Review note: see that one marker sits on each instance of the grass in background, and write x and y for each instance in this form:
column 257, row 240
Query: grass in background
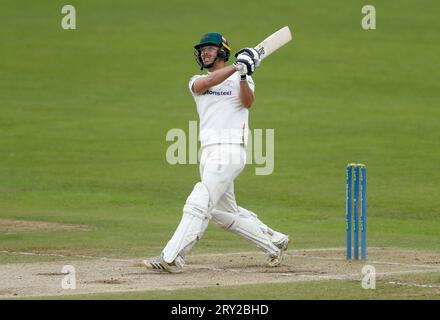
column 84, row 115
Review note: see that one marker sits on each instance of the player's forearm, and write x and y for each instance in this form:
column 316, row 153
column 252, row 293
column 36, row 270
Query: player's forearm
column 246, row 94
column 213, row 79
column 219, row 76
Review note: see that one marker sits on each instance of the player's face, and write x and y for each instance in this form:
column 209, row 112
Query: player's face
column 209, row 53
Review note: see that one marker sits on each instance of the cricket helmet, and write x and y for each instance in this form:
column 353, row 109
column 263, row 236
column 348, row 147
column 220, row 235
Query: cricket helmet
column 216, row 39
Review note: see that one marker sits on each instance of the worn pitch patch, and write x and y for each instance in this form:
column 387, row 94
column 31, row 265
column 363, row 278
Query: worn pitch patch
column 13, row 225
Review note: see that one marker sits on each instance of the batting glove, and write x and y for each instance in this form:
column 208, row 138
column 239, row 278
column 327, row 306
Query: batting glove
column 251, row 52
column 246, row 65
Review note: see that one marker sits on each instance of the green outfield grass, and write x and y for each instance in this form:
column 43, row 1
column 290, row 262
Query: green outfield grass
column 84, row 115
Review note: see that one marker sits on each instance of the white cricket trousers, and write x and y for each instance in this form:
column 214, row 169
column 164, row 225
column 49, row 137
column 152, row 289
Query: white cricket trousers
column 214, row 198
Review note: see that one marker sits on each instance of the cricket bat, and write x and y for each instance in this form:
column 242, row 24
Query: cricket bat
column 273, row 42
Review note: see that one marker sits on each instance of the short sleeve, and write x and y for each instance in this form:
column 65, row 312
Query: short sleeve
column 192, row 80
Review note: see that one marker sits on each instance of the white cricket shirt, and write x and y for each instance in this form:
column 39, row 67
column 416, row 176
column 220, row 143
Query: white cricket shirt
column 223, row 119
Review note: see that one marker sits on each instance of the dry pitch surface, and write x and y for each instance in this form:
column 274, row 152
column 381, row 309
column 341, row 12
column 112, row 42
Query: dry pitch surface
column 101, row 274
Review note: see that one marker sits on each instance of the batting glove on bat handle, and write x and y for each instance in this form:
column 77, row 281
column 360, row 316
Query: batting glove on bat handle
column 244, row 68
column 248, row 62
column 251, row 52
column 241, row 68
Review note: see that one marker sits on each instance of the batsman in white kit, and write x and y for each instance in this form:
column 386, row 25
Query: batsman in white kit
column 223, row 97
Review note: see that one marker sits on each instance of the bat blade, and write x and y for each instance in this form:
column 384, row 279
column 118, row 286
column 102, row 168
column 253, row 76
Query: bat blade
column 273, row 42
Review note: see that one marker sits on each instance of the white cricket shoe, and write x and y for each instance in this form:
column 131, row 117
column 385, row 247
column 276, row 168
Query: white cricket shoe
column 159, row 264
column 282, row 244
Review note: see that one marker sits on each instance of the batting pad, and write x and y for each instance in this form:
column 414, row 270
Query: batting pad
column 246, row 227
column 193, row 224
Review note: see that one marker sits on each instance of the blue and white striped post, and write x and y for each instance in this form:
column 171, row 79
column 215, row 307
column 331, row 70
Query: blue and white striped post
column 356, row 212
column 358, row 178
column 364, row 212
column 348, row 210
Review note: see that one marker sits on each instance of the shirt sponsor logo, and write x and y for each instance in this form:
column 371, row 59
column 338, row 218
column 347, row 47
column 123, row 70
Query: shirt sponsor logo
column 219, row 93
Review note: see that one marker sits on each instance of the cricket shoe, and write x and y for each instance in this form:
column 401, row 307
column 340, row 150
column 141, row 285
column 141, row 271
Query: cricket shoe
column 282, row 242
column 159, row 264
column 274, row 260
